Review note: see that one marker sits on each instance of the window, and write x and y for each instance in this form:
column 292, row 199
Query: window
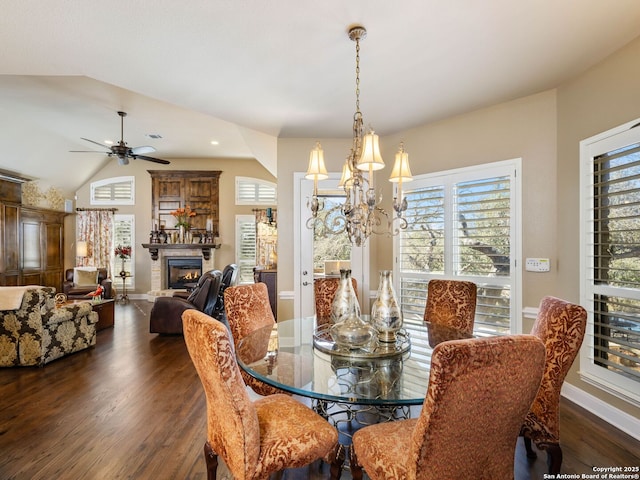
column 253, row 191
column 462, row 225
column 123, row 228
column 610, row 266
column 245, row 247
column 113, row 191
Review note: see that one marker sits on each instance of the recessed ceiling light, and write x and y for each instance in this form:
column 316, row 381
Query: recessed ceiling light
column 215, row 142
column 109, row 142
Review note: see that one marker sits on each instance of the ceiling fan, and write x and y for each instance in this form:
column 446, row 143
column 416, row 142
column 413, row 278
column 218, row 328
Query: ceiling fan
column 122, row 151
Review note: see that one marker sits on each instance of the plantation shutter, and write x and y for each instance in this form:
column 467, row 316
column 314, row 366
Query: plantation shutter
column 615, row 258
column 246, row 248
column 460, row 227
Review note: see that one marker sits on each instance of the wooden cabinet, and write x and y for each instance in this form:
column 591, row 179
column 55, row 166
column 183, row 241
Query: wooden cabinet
column 270, row 278
column 173, row 189
column 32, row 241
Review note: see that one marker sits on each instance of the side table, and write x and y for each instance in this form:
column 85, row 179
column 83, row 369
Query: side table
column 106, row 314
column 105, row 310
column 123, row 298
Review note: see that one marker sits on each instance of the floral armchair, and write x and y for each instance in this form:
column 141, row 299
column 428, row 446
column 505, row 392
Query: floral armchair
column 40, row 332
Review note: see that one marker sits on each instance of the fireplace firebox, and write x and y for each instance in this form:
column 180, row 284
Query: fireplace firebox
column 182, row 271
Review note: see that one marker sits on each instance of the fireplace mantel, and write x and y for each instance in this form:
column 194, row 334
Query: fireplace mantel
column 205, row 247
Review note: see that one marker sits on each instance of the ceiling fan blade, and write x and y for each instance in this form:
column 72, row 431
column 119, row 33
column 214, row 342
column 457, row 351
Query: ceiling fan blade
column 144, row 149
column 151, row 159
column 89, row 151
column 97, row 143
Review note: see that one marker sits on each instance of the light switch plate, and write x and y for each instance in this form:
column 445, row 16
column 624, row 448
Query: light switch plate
column 537, row 265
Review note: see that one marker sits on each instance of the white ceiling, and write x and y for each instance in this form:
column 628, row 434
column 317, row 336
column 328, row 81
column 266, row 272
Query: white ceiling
column 244, row 72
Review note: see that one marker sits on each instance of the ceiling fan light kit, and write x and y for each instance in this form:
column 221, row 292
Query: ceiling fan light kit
column 123, row 152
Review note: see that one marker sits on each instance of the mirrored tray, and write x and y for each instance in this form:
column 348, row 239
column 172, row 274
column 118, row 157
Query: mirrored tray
column 322, row 341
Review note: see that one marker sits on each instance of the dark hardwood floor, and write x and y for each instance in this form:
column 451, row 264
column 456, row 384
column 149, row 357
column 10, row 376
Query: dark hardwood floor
column 133, row 408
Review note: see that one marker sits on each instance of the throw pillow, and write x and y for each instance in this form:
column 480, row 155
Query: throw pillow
column 85, row 278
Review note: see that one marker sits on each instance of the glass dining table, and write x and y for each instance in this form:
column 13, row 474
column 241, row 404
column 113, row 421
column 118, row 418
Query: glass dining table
column 365, row 386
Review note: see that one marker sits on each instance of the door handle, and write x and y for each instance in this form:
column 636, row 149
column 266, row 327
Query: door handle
column 305, row 283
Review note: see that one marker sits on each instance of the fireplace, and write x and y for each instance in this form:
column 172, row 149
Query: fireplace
column 182, row 271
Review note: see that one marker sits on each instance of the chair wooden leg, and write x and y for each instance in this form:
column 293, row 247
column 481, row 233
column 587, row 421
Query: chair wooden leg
column 356, row 469
column 211, row 460
column 554, row 458
column 336, row 465
column 530, row 451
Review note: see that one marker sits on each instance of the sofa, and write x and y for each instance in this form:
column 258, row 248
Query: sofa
column 76, row 289
column 39, row 331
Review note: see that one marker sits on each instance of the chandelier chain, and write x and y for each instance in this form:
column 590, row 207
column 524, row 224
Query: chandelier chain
column 357, row 75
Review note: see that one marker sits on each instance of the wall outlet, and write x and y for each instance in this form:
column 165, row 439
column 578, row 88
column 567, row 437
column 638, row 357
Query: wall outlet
column 537, row 265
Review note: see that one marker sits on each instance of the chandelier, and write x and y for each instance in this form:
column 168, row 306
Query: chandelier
column 360, row 215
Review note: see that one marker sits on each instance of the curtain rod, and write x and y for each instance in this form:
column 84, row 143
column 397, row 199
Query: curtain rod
column 96, row 209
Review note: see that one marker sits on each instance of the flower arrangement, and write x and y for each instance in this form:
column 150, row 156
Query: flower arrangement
column 123, row 252
column 183, row 215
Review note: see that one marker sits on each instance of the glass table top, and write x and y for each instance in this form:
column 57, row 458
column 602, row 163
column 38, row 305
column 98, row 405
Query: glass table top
column 284, row 356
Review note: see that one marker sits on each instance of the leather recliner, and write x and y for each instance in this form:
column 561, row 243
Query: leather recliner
column 79, row 292
column 166, row 313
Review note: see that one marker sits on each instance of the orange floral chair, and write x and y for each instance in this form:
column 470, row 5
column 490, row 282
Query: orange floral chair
column 248, row 309
column 479, row 391
column 561, row 326
column 255, row 439
column 452, row 303
column 324, row 289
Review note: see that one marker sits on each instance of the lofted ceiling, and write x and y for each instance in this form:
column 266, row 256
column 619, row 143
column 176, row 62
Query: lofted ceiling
column 245, row 72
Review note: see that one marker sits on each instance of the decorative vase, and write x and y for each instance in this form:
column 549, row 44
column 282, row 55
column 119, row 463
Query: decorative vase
column 345, row 302
column 386, row 316
column 352, row 332
column 181, row 233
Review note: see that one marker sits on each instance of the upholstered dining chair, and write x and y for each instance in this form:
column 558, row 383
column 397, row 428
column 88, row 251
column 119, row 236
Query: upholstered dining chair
column 255, row 439
column 324, row 289
column 479, row 391
column 561, row 326
column 452, row 303
column 248, row 309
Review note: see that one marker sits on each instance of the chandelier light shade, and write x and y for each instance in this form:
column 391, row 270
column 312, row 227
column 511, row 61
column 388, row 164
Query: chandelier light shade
column 360, row 215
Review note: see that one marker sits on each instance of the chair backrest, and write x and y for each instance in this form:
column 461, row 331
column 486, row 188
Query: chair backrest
column 561, row 326
column 248, row 309
column 208, row 285
column 452, row 303
column 480, row 390
column 214, row 290
column 324, row 289
column 232, row 421
column 229, row 279
column 102, row 274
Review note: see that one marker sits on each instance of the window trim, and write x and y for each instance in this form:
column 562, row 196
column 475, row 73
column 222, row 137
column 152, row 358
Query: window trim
column 500, row 168
column 602, row 378
column 109, row 181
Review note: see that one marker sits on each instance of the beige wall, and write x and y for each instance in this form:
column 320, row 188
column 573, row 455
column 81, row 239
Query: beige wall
column 606, row 96
column 230, row 168
column 524, row 128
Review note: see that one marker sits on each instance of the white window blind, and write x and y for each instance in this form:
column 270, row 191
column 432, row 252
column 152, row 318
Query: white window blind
column 610, row 355
column 246, row 249
column 461, row 227
column 123, row 228
column 253, row 191
column 113, row 191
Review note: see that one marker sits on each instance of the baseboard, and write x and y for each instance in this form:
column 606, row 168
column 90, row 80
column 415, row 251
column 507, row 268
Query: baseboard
column 616, row 418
